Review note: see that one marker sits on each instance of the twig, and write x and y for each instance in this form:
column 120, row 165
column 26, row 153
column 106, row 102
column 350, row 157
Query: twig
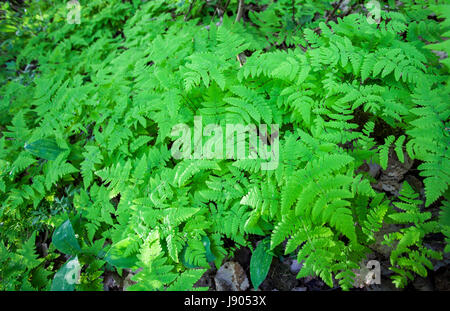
column 189, row 10
column 240, row 11
column 293, row 11
column 352, row 8
column 226, row 6
column 217, row 10
column 334, row 11
column 304, row 49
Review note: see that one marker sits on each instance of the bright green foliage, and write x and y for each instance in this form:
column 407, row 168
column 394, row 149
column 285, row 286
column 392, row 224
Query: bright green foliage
column 444, row 221
column 65, row 278
column 87, row 112
column 410, row 255
column 23, row 270
column 260, row 263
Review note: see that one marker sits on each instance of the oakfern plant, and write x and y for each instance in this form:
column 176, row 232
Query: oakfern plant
column 106, row 94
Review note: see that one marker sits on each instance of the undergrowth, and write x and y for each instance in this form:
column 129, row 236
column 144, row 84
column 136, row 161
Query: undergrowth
column 86, row 174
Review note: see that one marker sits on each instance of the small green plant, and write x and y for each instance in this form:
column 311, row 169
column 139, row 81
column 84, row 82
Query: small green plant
column 88, row 109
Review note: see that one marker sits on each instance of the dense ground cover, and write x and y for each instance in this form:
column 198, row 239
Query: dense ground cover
column 356, row 103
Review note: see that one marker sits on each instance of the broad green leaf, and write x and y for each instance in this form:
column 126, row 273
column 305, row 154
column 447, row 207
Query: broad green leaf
column 45, row 148
column 66, row 278
column 260, row 263
column 209, row 255
column 64, row 239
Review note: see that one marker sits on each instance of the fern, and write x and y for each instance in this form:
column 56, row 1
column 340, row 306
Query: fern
column 404, row 259
column 105, row 95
